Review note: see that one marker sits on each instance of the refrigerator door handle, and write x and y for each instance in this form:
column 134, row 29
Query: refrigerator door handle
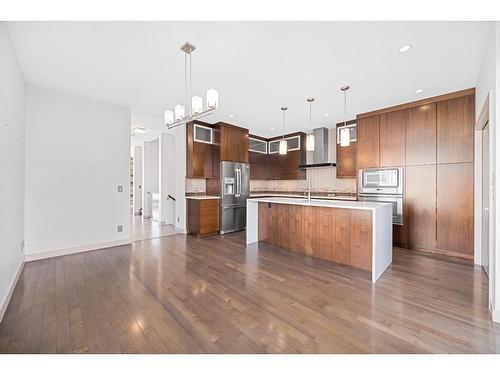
column 237, row 187
column 239, row 182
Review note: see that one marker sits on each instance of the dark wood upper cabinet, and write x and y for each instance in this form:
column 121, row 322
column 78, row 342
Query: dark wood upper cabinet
column 421, row 135
column 455, row 130
column 420, row 206
column 455, row 209
column 199, row 155
column 233, row 143
column 346, row 157
column 346, row 160
column 286, row 167
column 258, row 166
column 257, row 156
column 392, row 139
column 368, row 142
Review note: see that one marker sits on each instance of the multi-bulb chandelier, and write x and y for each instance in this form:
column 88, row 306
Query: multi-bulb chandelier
column 195, row 110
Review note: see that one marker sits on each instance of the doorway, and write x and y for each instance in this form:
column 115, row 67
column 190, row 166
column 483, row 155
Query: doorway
column 146, row 219
column 483, row 201
column 485, row 211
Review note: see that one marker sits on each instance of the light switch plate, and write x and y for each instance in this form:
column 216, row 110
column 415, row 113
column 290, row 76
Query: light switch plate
column 120, row 188
column 119, row 228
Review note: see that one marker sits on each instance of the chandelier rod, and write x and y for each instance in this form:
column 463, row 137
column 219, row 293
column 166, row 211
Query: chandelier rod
column 190, row 85
column 185, row 82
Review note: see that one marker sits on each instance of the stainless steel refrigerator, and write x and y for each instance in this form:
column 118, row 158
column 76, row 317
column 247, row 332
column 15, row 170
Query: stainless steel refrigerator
column 235, row 190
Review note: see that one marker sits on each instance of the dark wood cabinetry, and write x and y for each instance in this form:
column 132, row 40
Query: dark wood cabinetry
column 346, row 160
column 433, row 139
column 420, row 206
column 199, row 155
column 280, row 167
column 455, row 210
column 421, row 135
column 258, row 158
column 227, row 143
column 203, row 216
column 455, row 130
column 346, row 157
column 258, row 166
column 335, row 234
column 368, row 142
column 392, row 139
column 233, row 143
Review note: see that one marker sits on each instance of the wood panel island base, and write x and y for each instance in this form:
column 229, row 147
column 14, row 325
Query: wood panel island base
column 358, row 234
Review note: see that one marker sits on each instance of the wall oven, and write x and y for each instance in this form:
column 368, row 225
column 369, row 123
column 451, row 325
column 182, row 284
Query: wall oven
column 384, row 185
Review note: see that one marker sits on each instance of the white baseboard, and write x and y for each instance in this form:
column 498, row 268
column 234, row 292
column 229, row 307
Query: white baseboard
column 74, row 250
column 5, row 302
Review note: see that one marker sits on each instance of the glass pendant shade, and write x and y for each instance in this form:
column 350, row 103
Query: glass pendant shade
column 212, row 98
column 283, row 147
column 169, row 117
column 345, row 137
column 196, row 104
column 179, row 112
column 310, row 142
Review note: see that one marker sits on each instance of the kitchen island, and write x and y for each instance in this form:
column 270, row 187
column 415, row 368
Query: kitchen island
column 358, row 234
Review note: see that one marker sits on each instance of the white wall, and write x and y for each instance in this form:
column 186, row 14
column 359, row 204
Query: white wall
column 488, row 82
column 137, row 199
column 77, row 153
column 150, row 173
column 167, row 178
column 12, row 143
column 180, row 177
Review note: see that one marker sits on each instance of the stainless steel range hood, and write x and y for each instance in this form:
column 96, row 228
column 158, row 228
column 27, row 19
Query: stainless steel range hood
column 321, row 154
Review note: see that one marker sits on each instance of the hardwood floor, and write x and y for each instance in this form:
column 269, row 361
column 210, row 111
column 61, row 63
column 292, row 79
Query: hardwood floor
column 146, row 229
column 179, row 294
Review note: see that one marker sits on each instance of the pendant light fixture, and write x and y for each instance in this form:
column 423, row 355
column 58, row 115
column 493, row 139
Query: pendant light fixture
column 345, row 133
column 310, row 136
column 283, row 146
column 195, row 111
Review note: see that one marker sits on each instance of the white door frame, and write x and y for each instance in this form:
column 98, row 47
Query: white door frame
column 483, row 119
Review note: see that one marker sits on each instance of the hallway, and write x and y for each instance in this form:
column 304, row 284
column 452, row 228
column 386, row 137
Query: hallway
column 145, row 229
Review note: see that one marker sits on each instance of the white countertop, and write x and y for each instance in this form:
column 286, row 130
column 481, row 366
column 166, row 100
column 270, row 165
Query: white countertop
column 201, row 197
column 381, row 216
column 355, row 205
column 327, row 197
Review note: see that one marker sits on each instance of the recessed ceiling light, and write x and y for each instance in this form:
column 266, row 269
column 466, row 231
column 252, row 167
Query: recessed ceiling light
column 139, row 130
column 405, row 48
column 231, row 116
column 326, row 115
column 419, row 91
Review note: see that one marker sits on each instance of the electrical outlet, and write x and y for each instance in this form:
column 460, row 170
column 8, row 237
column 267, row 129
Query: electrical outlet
column 22, row 245
column 120, row 188
column 119, row 228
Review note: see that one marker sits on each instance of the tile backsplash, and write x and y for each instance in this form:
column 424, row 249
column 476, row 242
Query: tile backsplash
column 196, row 185
column 322, row 179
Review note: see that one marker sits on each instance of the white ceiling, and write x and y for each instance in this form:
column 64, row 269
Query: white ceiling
column 256, row 66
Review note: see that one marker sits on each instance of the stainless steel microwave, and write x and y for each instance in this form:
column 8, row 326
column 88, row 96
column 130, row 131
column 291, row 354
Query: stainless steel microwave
column 381, row 181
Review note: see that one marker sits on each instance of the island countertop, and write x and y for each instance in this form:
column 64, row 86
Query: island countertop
column 357, row 234
column 354, row 205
